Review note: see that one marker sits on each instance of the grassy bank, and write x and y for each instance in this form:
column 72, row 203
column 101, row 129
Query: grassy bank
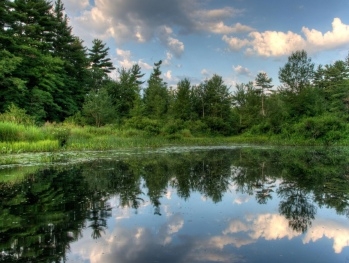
column 19, row 138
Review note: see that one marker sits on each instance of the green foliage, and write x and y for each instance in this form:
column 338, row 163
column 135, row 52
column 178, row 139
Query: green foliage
column 172, row 126
column 98, row 108
column 16, row 115
column 182, row 106
column 150, row 126
column 98, row 56
column 76, row 119
column 125, row 92
column 298, row 72
column 156, row 97
column 62, row 135
column 325, row 127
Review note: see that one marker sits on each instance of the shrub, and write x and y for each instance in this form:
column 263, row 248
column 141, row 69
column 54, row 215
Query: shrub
column 16, row 115
column 326, row 127
column 151, row 127
column 173, row 126
column 62, row 134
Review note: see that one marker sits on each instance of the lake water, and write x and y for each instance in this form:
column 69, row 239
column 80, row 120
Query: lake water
column 215, row 204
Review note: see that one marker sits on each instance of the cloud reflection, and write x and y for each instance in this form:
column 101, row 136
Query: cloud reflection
column 170, row 243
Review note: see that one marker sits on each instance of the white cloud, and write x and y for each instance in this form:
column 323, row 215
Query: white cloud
column 235, row 43
column 124, row 58
column 271, row 43
column 337, row 37
column 76, row 6
column 140, row 21
column 206, row 73
column 174, row 45
column 168, row 59
column 213, row 21
column 241, row 70
column 168, row 75
column 274, row 43
column 336, row 231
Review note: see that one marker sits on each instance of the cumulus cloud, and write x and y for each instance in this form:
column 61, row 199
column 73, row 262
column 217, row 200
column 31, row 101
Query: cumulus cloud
column 168, row 59
column 241, row 70
column 124, row 58
column 76, row 6
column 336, row 231
column 274, row 43
column 168, row 75
column 143, row 21
column 213, row 21
column 173, row 44
column 337, row 37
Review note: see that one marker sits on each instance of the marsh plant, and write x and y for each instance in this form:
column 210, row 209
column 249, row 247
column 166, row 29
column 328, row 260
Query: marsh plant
column 62, row 135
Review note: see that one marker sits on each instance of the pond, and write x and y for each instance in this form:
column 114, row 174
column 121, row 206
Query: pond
column 215, row 204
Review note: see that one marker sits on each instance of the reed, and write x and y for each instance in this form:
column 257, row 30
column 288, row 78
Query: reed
column 25, row 146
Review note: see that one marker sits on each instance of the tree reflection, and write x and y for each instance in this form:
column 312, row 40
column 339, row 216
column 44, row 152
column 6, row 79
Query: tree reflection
column 42, row 215
column 297, row 206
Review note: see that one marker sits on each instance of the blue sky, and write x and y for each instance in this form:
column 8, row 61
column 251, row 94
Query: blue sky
column 235, row 39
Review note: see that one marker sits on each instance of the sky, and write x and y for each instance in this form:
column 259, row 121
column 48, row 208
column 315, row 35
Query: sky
column 195, row 39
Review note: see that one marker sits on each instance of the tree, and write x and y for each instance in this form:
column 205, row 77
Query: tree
column 182, row 105
column 98, row 107
column 125, row 93
column 156, row 97
column 246, row 102
column 71, row 50
column 12, row 89
column 333, row 82
column 215, row 102
column 298, row 72
column 263, row 81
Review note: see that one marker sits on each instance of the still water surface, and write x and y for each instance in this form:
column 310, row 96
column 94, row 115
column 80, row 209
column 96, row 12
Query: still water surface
column 181, row 205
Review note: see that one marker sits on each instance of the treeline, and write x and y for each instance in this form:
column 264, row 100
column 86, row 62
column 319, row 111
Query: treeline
column 48, row 72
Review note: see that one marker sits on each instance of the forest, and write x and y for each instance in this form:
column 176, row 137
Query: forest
column 47, row 75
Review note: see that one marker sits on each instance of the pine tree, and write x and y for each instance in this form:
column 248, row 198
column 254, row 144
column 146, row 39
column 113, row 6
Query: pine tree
column 125, row 92
column 156, row 97
column 70, row 49
column 182, row 106
column 100, row 64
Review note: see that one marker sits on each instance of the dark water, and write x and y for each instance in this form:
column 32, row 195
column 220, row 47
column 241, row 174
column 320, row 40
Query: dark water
column 191, row 205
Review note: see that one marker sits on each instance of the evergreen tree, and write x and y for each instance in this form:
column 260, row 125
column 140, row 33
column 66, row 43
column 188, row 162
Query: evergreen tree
column 182, row 106
column 70, row 49
column 333, row 82
column 100, row 64
column 98, row 56
column 12, row 88
column 216, row 103
column 156, row 97
column 125, row 93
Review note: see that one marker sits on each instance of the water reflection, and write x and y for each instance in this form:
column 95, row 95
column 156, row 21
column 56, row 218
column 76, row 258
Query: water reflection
column 221, row 205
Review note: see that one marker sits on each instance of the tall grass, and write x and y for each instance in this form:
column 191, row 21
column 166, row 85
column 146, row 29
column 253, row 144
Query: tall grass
column 11, row 132
column 18, row 138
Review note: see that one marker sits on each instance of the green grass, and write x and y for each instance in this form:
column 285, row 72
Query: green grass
column 17, row 138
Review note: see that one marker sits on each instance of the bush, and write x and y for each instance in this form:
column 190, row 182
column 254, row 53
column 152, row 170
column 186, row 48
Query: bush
column 16, row 115
column 326, row 127
column 196, row 127
column 62, row 134
column 76, row 119
column 151, row 127
column 173, row 126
